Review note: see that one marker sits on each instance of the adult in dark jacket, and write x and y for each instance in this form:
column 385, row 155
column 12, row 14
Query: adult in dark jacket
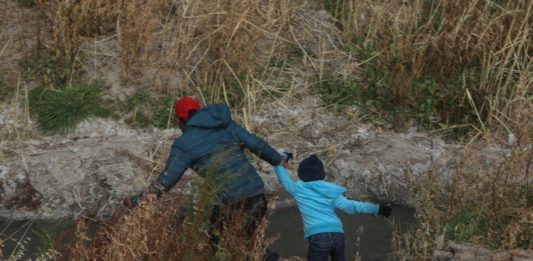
column 213, row 144
column 210, row 136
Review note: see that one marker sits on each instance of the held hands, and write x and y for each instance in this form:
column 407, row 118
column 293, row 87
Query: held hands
column 385, row 210
column 286, row 157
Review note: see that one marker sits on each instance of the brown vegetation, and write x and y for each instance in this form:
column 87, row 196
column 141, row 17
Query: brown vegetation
column 464, row 63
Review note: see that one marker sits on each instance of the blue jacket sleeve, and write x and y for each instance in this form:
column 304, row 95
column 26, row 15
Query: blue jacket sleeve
column 284, row 179
column 177, row 163
column 257, row 145
column 354, row 207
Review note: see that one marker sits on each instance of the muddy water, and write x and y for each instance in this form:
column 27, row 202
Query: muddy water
column 374, row 241
column 28, row 239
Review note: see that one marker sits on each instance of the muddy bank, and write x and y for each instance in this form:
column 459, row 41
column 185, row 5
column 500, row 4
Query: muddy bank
column 103, row 160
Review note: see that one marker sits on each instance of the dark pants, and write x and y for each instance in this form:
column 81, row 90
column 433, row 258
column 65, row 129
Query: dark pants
column 242, row 218
column 323, row 245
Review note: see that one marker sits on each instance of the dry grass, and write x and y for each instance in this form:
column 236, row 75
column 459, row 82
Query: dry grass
column 439, row 39
column 161, row 230
column 175, row 227
column 223, row 50
column 489, row 206
column 206, row 42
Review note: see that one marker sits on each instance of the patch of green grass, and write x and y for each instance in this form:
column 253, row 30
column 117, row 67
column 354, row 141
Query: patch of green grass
column 443, row 103
column 61, row 110
column 26, row 3
column 44, row 69
column 146, row 109
column 140, row 98
column 163, row 116
column 337, row 92
column 432, row 102
column 524, row 236
column 369, row 91
column 6, row 90
column 138, row 104
column 431, row 15
column 333, row 7
column 467, row 226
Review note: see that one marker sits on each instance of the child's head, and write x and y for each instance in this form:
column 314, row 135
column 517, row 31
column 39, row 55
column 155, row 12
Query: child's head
column 311, row 169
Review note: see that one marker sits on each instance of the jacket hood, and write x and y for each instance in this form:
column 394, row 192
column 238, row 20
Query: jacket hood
column 324, row 188
column 211, row 116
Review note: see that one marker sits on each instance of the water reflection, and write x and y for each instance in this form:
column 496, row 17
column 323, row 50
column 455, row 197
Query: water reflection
column 374, row 238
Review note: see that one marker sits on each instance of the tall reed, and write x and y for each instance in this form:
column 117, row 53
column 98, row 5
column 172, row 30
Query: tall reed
column 442, row 40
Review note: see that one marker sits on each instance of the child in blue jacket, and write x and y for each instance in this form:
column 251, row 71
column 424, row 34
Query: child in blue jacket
column 317, row 200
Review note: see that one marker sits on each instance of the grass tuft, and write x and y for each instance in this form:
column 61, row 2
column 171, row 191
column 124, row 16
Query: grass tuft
column 44, row 69
column 61, row 110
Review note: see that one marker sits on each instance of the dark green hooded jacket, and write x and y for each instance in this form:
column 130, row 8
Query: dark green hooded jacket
column 212, row 144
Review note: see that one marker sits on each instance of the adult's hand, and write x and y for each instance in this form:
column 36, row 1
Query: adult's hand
column 154, row 190
column 132, row 202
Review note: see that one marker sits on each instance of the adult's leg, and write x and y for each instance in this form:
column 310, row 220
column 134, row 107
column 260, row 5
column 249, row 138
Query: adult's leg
column 255, row 210
column 216, row 221
column 243, row 218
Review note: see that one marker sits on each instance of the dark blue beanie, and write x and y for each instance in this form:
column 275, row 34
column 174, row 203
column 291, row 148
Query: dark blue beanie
column 311, row 169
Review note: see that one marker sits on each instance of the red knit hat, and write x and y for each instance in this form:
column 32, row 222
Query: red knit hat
column 184, row 105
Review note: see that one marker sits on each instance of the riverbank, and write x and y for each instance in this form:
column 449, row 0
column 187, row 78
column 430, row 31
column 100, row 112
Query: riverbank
column 366, row 236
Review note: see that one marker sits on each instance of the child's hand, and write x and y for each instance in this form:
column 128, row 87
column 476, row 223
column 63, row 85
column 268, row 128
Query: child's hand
column 385, row 210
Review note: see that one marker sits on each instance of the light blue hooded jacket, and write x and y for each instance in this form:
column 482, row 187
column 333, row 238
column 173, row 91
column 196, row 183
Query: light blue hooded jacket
column 317, row 201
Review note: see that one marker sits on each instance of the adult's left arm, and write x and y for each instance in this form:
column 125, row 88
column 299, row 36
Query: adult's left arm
column 177, row 163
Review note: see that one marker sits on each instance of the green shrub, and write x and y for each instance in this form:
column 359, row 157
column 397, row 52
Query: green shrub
column 61, row 110
column 138, row 104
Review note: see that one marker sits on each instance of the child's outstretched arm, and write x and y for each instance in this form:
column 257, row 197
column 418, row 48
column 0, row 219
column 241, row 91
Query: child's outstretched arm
column 355, row 207
column 284, row 179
